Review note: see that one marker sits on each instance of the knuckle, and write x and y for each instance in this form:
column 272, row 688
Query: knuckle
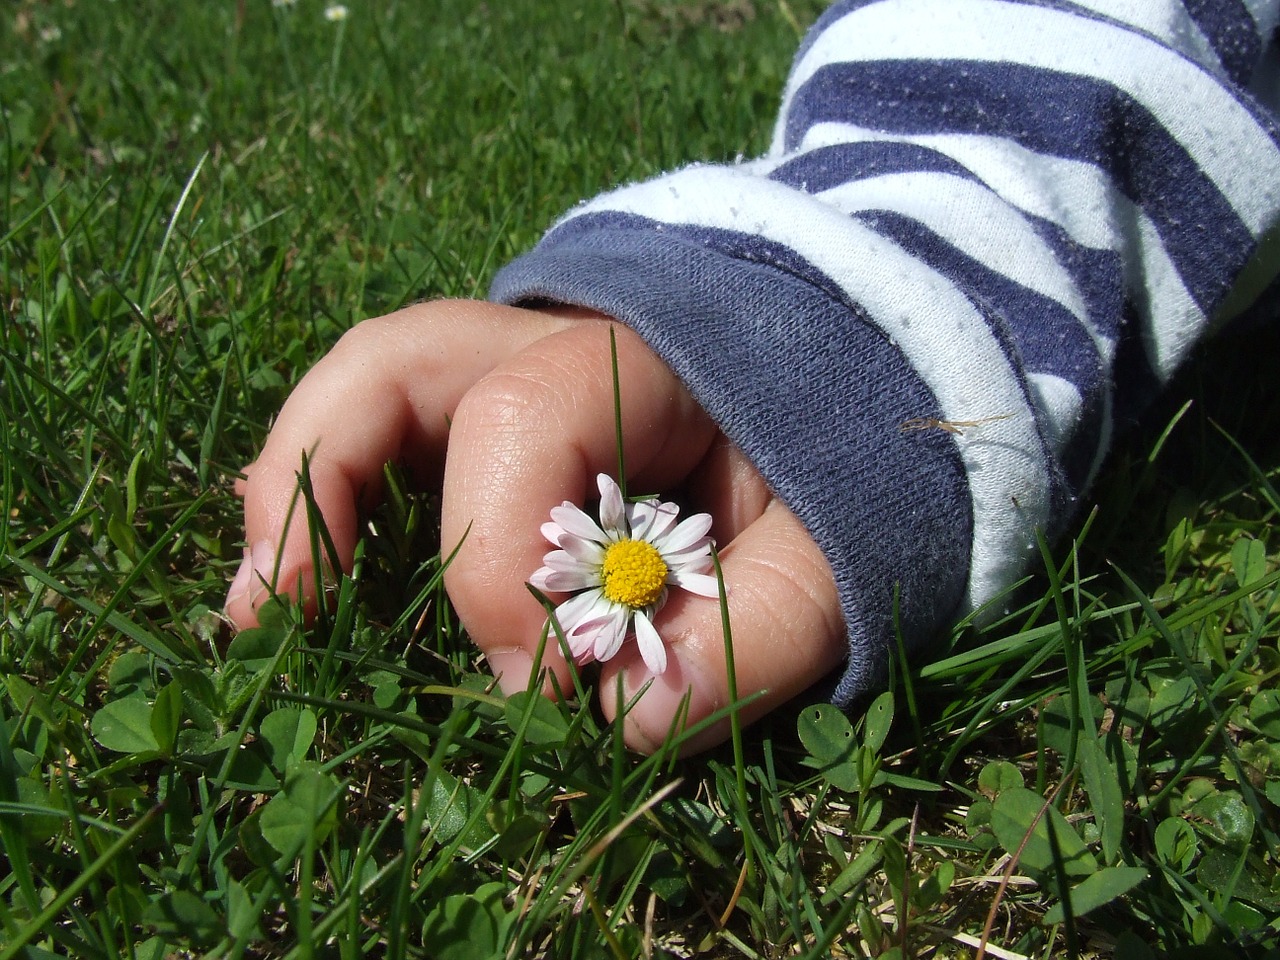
column 800, row 603
column 503, row 400
column 368, row 337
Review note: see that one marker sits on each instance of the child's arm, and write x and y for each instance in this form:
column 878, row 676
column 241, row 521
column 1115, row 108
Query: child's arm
column 1017, row 215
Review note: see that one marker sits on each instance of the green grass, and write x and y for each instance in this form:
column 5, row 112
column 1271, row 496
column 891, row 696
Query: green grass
column 198, row 199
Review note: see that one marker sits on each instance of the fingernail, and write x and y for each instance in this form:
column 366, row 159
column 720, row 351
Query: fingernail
column 512, row 668
column 240, row 583
column 257, row 566
column 650, row 720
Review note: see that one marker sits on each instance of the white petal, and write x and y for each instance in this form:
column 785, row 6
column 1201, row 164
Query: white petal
column 667, row 516
column 562, row 560
column 696, row 557
column 564, row 573
column 569, row 581
column 613, row 515
column 539, row 578
column 609, row 639
column 553, row 532
column 686, row 534
column 581, row 609
column 601, row 620
column 652, row 650
column 658, row 604
column 584, row 551
column 640, row 517
column 582, row 646
column 577, row 523
column 664, row 520
column 699, row 583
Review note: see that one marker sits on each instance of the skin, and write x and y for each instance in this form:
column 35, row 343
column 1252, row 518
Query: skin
column 510, row 412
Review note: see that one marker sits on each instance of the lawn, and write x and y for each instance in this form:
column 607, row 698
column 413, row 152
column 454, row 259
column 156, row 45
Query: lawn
column 198, row 199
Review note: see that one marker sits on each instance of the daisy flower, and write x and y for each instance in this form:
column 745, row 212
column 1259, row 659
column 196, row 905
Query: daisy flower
column 619, row 571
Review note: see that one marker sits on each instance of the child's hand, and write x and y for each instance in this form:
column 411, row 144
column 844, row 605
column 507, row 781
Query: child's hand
column 513, row 410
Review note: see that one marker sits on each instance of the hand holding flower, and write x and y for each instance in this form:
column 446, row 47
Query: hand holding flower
column 511, row 412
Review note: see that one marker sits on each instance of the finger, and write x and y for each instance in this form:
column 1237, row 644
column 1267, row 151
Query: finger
column 385, row 392
column 788, row 633
column 535, row 433
column 726, row 485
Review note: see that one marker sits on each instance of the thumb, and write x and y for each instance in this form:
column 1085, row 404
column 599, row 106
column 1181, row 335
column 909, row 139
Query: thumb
column 787, row 632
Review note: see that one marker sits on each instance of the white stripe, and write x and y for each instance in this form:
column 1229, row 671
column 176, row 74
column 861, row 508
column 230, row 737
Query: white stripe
column 1265, row 82
column 1219, row 133
column 1167, row 20
column 1079, row 198
column 974, row 220
column 939, row 331
column 951, row 206
column 1266, row 14
column 1060, row 406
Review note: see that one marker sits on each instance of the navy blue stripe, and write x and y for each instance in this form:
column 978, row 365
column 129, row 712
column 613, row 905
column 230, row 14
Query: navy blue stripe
column 1132, row 369
column 811, row 393
column 1044, row 334
column 1097, row 274
column 1227, row 24
column 827, row 167
column 1052, row 113
column 1232, row 32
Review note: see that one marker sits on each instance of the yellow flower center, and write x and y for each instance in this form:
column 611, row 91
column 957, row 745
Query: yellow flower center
column 633, row 573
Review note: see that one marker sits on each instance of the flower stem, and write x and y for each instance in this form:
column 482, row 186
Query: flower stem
column 735, row 721
column 617, row 410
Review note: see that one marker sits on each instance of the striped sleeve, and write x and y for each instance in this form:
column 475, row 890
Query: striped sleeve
column 1017, row 214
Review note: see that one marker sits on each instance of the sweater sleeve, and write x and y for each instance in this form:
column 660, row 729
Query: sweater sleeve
column 1019, row 216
